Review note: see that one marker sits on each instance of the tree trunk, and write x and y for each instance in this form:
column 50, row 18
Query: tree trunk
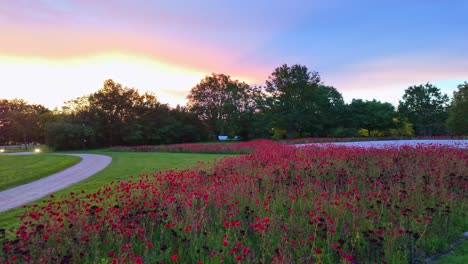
column 24, row 141
column 289, row 132
column 110, row 137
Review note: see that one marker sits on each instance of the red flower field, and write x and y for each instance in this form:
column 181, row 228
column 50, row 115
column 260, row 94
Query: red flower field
column 220, row 148
column 279, row 204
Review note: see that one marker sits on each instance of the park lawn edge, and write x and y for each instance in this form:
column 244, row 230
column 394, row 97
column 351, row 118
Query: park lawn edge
column 59, row 163
column 10, row 219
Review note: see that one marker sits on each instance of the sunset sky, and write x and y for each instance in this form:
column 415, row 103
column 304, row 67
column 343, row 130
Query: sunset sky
column 56, row 50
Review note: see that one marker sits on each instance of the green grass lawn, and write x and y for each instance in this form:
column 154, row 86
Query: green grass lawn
column 459, row 255
column 22, row 148
column 123, row 166
column 20, row 169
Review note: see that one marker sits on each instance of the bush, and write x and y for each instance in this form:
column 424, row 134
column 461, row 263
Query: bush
column 340, row 132
column 68, row 136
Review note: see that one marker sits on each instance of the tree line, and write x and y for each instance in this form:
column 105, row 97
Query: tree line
column 293, row 103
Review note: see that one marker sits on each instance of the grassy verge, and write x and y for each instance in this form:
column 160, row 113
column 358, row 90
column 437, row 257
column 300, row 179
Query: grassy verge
column 123, row 166
column 23, row 148
column 459, row 255
column 21, row 169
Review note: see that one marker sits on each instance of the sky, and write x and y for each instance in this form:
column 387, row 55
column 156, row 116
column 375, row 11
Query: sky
column 52, row 51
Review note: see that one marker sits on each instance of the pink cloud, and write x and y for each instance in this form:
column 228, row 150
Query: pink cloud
column 216, row 40
column 399, row 71
column 52, row 43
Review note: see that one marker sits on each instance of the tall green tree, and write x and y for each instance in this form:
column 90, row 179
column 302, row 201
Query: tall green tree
column 324, row 110
column 150, row 116
column 371, row 115
column 222, row 103
column 290, row 91
column 5, row 122
column 62, row 135
column 401, row 128
column 117, row 115
column 457, row 121
column 184, row 127
column 75, row 113
column 78, row 109
column 261, row 120
column 21, row 122
column 113, row 105
column 426, row 107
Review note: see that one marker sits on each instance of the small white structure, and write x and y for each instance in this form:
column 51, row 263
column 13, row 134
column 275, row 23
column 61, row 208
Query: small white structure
column 223, row 138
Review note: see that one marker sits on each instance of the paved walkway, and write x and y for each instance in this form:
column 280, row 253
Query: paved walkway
column 89, row 165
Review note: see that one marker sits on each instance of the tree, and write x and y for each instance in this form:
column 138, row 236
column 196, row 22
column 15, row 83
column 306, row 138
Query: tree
column 67, row 136
column 457, row 120
column 5, row 122
column 261, row 120
column 324, row 110
column 290, row 92
column 222, row 103
column 21, row 122
column 426, row 107
column 183, row 127
column 150, row 117
column 402, row 128
column 78, row 109
column 113, row 106
column 117, row 115
column 371, row 115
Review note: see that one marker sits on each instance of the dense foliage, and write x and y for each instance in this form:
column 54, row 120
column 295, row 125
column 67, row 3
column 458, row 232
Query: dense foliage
column 426, row 107
column 22, row 122
column 224, row 105
column 294, row 103
column 457, row 120
column 292, row 96
column 280, row 204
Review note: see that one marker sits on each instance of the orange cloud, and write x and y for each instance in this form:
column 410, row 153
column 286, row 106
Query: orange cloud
column 73, row 29
column 52, row 81
column 59, row 44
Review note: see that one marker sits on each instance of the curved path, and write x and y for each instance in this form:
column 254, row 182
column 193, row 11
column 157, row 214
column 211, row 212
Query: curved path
column 90, row 164
column 459, row 143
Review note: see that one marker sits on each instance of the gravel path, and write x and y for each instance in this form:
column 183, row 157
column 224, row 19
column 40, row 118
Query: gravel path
column 395, row 143
column 89, row 165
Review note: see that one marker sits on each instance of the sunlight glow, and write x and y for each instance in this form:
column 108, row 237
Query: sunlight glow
column 51, row 82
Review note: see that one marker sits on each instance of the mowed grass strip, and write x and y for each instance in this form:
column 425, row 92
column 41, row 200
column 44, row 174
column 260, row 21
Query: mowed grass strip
column 123, row 166
column 22, row 148
column 459, row 255
column 20, row 169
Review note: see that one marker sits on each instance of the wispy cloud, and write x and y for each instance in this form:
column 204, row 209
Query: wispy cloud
column 386, row 78
column 365, row 46
column 399, row 70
